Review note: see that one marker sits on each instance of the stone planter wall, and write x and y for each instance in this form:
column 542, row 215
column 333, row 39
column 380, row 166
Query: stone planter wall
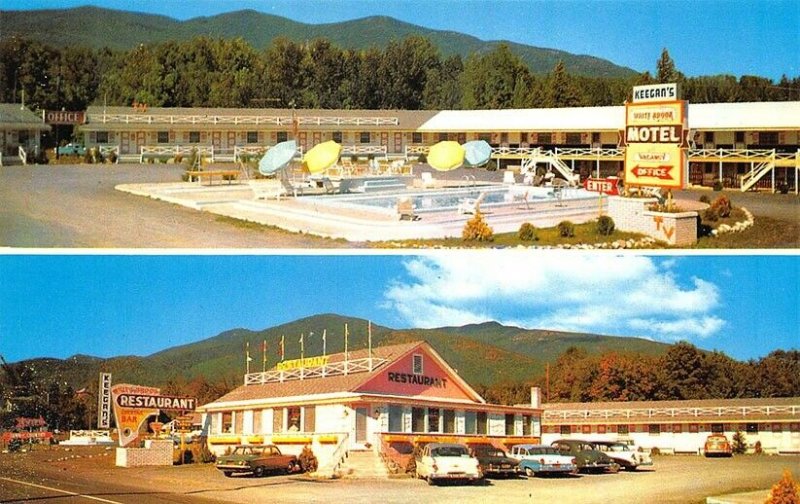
column 154, row 453
column 631, row 214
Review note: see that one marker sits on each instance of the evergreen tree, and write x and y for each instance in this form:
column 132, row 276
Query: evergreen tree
column 563, row 90
column 665, row 69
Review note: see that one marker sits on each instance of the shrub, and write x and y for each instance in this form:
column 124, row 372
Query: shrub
column 711, row 215
column 566, row 229
column 422, row 158
column 411, row 466
column 112, row 157
column 717, row 185
column 308, row 461
column 723, row 206
column 476, row 229
column 527, row 232
column 757, row 449
column 87, row 156
column 705, row 199
column 654, row 451
column 785, row 491
column 605, row 225
column 739, row 443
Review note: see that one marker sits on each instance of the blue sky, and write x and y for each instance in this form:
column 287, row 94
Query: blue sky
column 704, row 37
column 108, row 305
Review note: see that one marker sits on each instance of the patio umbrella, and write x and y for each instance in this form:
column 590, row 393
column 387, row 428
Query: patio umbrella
column 477, row 153
column 322, row 156
column 447, row 155
column 277, row 157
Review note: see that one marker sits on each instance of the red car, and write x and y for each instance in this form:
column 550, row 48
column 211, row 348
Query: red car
column 717, row 445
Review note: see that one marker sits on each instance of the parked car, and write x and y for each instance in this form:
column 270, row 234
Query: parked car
column 256, row 460
column 629, row 457
column 447, row 461
column 587, row 458
column 717, row 445
column 494, row 461
column 71, row 149
column 543, row 459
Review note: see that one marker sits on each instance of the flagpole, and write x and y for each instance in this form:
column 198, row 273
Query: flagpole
column 345, row 349
column 264, row 359
column 324, row 342
column 247, row 357
column 369, row 342
column 283, row 349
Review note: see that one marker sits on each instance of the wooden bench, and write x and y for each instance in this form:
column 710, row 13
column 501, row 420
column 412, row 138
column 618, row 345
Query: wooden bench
column 199, row 175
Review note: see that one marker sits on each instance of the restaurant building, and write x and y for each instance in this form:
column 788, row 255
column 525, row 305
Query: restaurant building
column 363, row 400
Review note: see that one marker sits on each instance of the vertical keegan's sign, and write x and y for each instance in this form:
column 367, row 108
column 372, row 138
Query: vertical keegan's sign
column 656, row 125
column 104, row 401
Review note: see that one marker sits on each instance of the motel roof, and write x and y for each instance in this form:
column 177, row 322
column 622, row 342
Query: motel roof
column 339, row 386
column 16, row 116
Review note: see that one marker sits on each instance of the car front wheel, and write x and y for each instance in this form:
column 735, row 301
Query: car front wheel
column 290, row 468
column 258, row 472
column 430, row 481
column 227, row 474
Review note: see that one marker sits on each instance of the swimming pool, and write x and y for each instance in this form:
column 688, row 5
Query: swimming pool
column 449, row 199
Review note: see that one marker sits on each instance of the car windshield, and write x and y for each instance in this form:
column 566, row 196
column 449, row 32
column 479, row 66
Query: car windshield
column 490, row 452
column 248, row 450
column 449, row 451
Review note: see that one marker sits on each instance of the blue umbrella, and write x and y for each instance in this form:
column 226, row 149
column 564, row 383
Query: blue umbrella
column 477, row 153
column 277, row 157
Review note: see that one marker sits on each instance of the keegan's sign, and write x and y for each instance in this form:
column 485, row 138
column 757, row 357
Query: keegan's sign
column 655, row 143
column 104, row 401
column 655, row 92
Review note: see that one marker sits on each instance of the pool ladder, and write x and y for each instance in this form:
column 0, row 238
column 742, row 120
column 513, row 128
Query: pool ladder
column 467, row 178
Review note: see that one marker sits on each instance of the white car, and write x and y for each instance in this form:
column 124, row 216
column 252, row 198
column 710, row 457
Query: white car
column 628, row 456
column 447, row 461
column 543, row 459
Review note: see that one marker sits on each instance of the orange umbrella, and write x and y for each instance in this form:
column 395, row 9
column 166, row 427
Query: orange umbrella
column 447, row 155
column 322, row 156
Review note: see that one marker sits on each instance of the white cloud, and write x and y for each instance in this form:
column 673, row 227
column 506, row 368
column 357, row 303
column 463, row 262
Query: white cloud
column 593, row 293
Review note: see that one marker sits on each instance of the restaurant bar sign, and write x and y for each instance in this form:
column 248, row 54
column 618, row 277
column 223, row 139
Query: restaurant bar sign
column 64, row 117
column 134, row 404
column 656, row 128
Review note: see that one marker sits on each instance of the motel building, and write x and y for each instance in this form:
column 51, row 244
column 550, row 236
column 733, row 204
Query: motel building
column 679, row 426
column 20, row 133
column 742, row 145
column 378, row 401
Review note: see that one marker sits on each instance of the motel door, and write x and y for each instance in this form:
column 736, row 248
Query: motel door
column 398, row 142
column 125, row 143
column 361, row 425
column 231, row 140
column 216, row 139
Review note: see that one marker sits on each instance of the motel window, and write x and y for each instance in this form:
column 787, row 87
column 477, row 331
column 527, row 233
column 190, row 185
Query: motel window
column 752, row 428
column 573, row 138
column 163, row 136
column 483, row 421
column 194, row 137
column 523, row 137
column 526, row 425
column 738, row 137
column 252, row 137
column 462, row 138
column 102, row 137
column 596, row 137
column 565, row 430
column 777, row 427
column 227, row 422
column 504, row 138
column 282, row 136
column 449, row 421
column 293, row 419
column 470, row 422
column 586, row 429
column 654, row 429
column 601, row 429
column 694, row 428
column 417, row 419
column 417, row 364
column 364, row 137
column 486, row 137
column 768, row 138
column 708, row 137
column 337, row 136
column 442, row 137
column 433, row 419
column 395, row 418
column 677, row 428
column 416, row 138
column 717, row 428
column 509, row 424
column 545, row 138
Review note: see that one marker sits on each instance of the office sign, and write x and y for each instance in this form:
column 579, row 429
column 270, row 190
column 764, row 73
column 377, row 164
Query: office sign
column 64, row 117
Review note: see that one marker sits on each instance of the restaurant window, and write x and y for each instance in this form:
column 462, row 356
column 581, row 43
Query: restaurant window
column 654, row 429
column 545, row 138
column 417, row 419
column 470, row 422
column 337, row 136
column 523, row 137
column 717, row 428
column 395, row 418
column 449, row 421
column 162, row 136
column 364, row 137
column 194, row 137
column 252, row 137
column 293, row 419
column 694, row 428
column 417, row 364
column 573, row 138
column 509, row 424
column 309, row 418
column 708, row 137
column 282, row 136
column 677, row 428
column 227, row 422
column 442, row 137
column 565, row 430
column 622, row 429
column 526, row 425
column 738, row 137
column 483, row 420
column 768, row 138
column 433, row 419
column 102, row 137
column 752, row 428
column 504, row 138
column 416, row 138
column 595, row 137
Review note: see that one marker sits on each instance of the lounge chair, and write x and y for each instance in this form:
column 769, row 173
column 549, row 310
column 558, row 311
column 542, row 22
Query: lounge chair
column 328, row 185
column 427, row 180
column 288, row 186
column 266, row 189
column 405, row 209
column 471, row 205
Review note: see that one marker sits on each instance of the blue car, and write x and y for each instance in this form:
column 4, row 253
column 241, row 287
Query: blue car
column 543, row 459
column 71, row 149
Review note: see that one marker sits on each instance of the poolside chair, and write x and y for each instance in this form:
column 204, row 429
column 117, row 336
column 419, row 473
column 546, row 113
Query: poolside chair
column 266, row 189
column 328, row 185
column 287, row 184
column 471, row 205
column 428, row 182
column 405, row 209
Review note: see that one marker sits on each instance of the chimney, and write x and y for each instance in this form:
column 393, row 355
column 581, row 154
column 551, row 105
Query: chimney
column 536, row 397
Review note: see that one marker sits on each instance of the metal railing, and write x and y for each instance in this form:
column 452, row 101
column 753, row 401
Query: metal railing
column 174, row 150
column 23, row 156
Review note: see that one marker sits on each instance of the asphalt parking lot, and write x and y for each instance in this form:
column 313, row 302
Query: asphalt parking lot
column 673, row 479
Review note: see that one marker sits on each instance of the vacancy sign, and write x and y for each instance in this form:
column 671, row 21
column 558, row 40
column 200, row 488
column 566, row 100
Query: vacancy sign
column 655, row 137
